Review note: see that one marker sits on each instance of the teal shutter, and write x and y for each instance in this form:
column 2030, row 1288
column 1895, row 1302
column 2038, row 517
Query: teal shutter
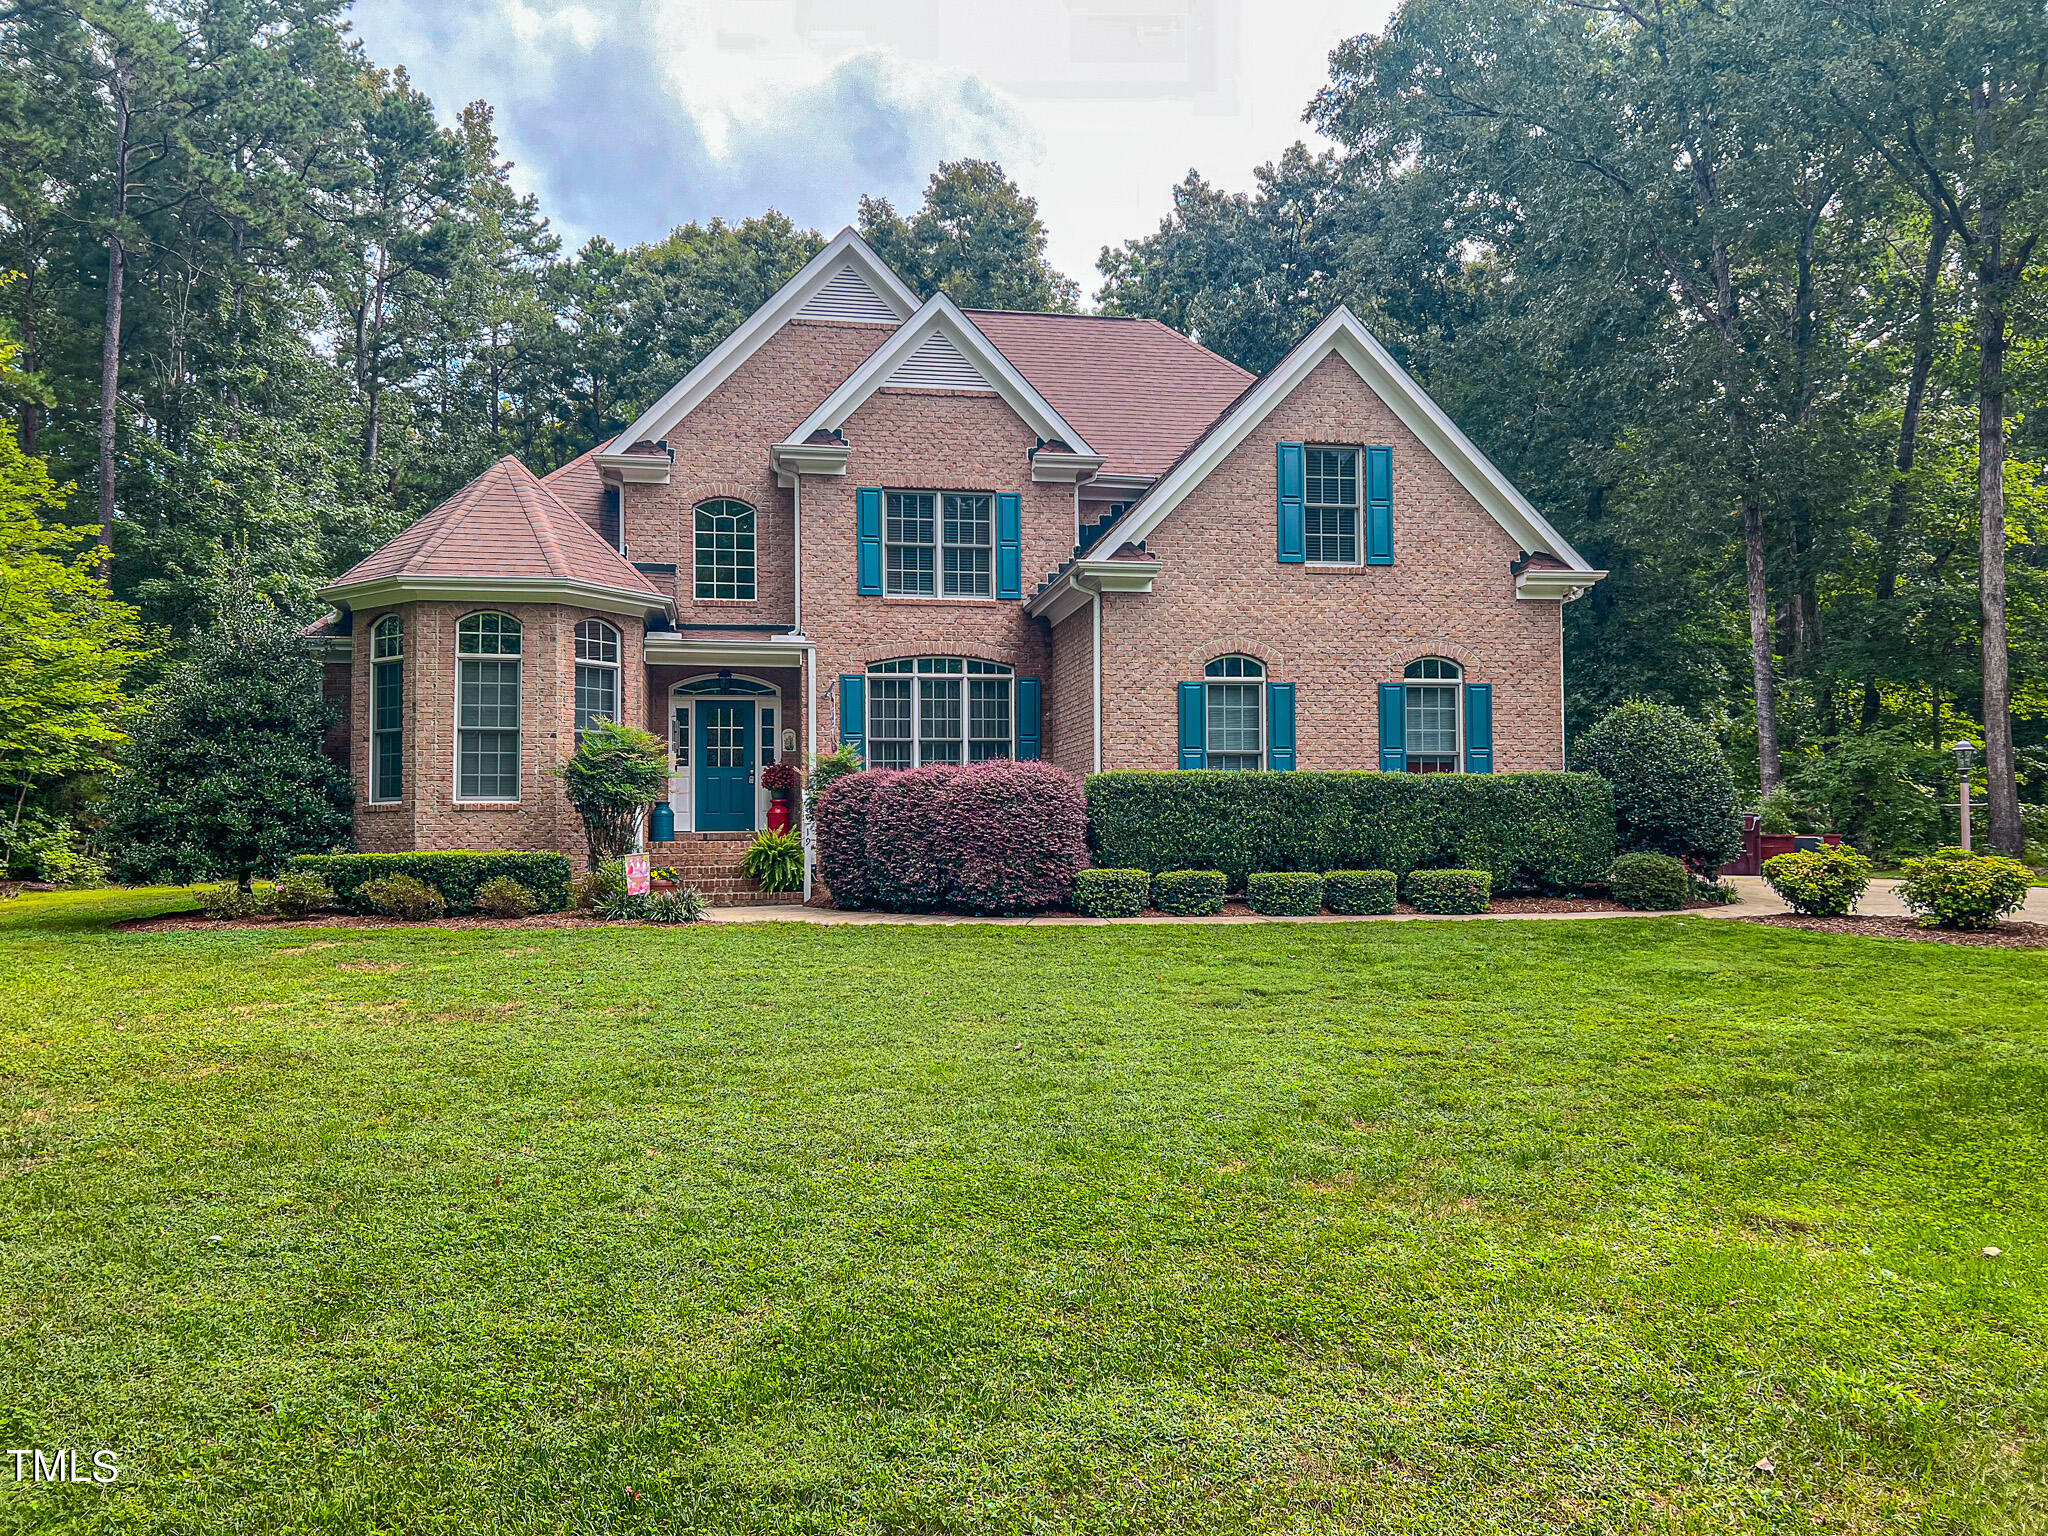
column 1479, row 727
column 1029, row 715
column 1393, row 728
column 1379, row 506
column 868, row 501
column 853, row 713
column 1193, row 726
column 1291, row 473
column 1280, row 727
column 1009, row 545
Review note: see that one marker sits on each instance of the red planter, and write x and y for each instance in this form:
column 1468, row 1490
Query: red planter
column 778, row 815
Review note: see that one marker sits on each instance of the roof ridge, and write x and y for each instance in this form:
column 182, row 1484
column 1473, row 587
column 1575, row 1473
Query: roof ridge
column 449, row 512
column 539, row 517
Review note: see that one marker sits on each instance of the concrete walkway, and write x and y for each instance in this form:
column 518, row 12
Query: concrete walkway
column 1756, row 900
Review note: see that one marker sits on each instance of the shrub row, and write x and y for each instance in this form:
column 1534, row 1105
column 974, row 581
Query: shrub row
column 1280, row 893
column 1111, row 892
column 1528, row 831
column 1448, row 891
column 458, row 877
column 1361, row 892
column 989, row 837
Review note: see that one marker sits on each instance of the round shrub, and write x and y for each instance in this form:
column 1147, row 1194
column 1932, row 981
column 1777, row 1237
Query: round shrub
column 840, row 821
column 301, row 894
column 1673, row 792
column 502, row 896
column 1284, row 893
column 402, row 896
column 226, row 903
column 1111, row 892
column 1649, row 882
column 1825, row 882
column 1954, row 889
column 1189, row 892
column 1360, row 892
column 1446, row 891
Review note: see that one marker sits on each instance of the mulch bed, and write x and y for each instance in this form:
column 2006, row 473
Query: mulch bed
column 2004, row 936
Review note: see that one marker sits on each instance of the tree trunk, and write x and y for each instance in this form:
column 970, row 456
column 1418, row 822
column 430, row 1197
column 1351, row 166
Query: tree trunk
column 110, row 341
column 2002, row 796
column 1762, row 679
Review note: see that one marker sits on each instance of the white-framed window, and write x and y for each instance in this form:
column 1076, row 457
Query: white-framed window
column 487, row 707
column 939, row 709
column 725, row 551
column 1330, row 506
column 939, row 544
column 387, row 709
column 1234, row 713
column 597, row 674
column 1430, row 714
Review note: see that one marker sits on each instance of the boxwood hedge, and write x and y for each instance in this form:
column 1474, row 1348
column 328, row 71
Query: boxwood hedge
column 1284, row 893
column 1189, row 892
column 1529, row 831
column 1361, row 892
column 1111, row 892
column 456, row 875
column 1449, row 890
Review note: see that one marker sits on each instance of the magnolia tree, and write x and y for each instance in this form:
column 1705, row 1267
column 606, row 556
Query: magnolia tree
column 613, row 774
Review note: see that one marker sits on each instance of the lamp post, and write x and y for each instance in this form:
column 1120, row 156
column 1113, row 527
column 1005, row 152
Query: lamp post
column 1966, row 753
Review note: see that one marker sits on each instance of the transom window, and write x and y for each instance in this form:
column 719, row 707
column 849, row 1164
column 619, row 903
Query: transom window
column 487, row 707
column 387, row 709
column 1330, row 506
column 1235, row 713
column 1430, row 720
column 725, row 551
column 597, row 674
column 939, row 709
column 939, row 544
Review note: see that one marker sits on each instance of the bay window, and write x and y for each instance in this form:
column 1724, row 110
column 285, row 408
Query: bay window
column 597, row 674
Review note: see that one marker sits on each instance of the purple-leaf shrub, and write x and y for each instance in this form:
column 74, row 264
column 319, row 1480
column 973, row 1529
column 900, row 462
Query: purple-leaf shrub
column 908, row 870
column 840, row 820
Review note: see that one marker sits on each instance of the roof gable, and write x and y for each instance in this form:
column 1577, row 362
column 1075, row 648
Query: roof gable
column 846, row 295
column 938, row 364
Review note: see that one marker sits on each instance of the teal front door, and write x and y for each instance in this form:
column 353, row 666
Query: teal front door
column 725, row 765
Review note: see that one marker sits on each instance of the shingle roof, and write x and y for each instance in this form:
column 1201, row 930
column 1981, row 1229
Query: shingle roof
column 504, row 523
column 1137, row 390
column 579, row 487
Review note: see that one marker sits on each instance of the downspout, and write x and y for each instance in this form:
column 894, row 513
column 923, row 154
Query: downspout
column 796, row 537
column 1095, row 618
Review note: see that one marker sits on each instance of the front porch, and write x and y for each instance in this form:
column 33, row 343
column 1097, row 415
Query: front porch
column 709, row 863
column 730, row 703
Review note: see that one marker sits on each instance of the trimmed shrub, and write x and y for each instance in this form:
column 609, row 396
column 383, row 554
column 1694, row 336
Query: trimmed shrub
column 988, row 837
column 1189, row 892
column 1825, row 882
column 1284, row 893
column 1673, row 792
column 402, row 896
column 1111, row 892
column 1954, row 889
column 301, row 894
column 225, row 903
column 599, row 884
column 611, row 777
column 1361, row 892
column 1649, row 882
column 1535, row 831
column 775, row 860
column 1444, row 891
column 458, row 876
column 502, row 896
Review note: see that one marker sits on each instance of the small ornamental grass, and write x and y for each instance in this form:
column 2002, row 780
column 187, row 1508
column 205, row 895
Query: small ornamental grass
column 1189, row 892
column 1824, row 882
column 1111, row 892
column 1954, row 889
column 1649, row 882
column 1361, row 892
column 1448, row 892
column 683, row 906
column 1284, row 893
column 502, row 896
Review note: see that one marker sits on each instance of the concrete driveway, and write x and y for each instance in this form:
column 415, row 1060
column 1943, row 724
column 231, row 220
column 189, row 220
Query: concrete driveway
column 1881, row 900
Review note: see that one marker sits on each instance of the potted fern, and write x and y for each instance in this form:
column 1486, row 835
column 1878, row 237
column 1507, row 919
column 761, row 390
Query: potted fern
column 775, row 861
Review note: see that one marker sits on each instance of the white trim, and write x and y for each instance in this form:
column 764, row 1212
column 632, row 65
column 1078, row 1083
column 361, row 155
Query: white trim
column 1342, row 334
column 384, row 590
column 636, row 468
column 939, row 316
column 790, row 460
column 918, row 678
column 844, row 249
column 1051, row 467
column 1085, row 578
column 1457, row 687
column 663, row 648
column 1555, row 586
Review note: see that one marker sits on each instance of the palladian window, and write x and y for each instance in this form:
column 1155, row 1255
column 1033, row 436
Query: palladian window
column 725, row 551
column 939, row 709
column 487, row 707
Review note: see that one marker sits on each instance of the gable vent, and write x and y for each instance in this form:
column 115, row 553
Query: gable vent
column 938, row 364
column 846, row 296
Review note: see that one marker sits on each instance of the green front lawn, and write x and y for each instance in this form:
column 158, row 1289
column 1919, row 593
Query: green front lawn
column 1432, row 1227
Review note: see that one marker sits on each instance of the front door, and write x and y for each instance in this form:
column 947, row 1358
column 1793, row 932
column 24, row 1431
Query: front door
column 725, row 765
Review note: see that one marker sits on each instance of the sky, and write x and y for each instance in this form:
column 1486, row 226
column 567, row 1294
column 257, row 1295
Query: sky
column 628, row 117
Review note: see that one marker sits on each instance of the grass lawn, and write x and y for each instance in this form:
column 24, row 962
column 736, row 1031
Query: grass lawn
column 1401, row 1227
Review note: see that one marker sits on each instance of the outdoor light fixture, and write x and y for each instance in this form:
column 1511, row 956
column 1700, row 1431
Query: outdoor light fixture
column 1966, row 754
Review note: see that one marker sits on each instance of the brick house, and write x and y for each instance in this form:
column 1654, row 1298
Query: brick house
column 947, row 535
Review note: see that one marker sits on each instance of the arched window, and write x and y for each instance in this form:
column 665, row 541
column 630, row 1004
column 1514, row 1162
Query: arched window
column 387, row 708
column 487, row 707
column 1235, row 708
column 939, row 709
column 1430, row 716
column 597, row 673
column 725, row 551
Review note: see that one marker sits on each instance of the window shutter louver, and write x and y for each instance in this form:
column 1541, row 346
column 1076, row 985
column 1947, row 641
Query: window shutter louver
column 1292, row 471
column 1030, row 726
column 1479, row 727
column 868, row 502
column 853, row 713
column 1009, row 544
column 1193, row 726
column 1393, row 728
column 1379, row 506
column 1280, row 727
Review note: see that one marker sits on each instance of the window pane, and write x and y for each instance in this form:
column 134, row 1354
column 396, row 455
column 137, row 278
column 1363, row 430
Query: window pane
column 968, row 536
column 487, row 634
column 487, row 715
column 938, row 720
column 1432, row 728
column 1330, row 512
column 988, row 718
column 1233, row 725
column 767, row 735
column 909, row 539
column 1332, row 535
column 388, row 638
column 489, row 765
column 679, row 738
column 596, row 641
column 390, row 780
column 597, row 696
column 888, row 722
column 490, row 695
column 725, row 551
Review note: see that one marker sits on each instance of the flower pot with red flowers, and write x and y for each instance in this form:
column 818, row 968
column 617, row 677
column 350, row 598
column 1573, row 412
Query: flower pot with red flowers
column 781, row 782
